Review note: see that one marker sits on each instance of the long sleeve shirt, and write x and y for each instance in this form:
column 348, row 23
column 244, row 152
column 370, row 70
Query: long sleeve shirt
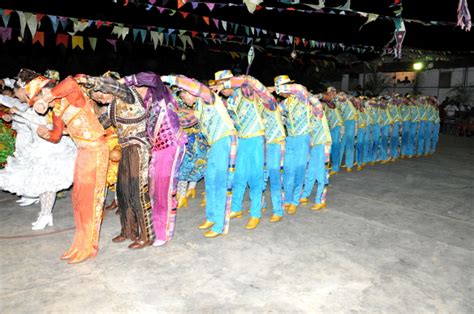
column 347, row 109
column 297, row 109
column 12, row 102
column 320, row 133
column 246, row 106
column 405, row 112
column 395, row 113
column 214, row 120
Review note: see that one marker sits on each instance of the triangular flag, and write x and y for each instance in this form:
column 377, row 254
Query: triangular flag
column 205, row 34
column 160, row 29
column 173, row 39
column 258, row 31
column 253, row 30
column 22, row 17
column 62, row 39
column 194, row 33
column 39, row 37
column 6, row 19
column 39, row 16
column 113, row 42
column 184, row 14
column 160, row 9
column 224, row 25
column 236, row 27
column 190, row 42
column 166, row 39
column 216, row 22
column 161, row 36
column 182, row 31
column 170, row 30
column 99, row 24
column 63, row 20
column 210, row 6
column 183, row 41
column 143, row 35
column 135, row 33
column 54, row 22
column 195, row 5
column 93, row 42
column 78, row 41
column 7, row 12
column 154, row 38
column 247, row 30
column 32, row 23
column 206, row 19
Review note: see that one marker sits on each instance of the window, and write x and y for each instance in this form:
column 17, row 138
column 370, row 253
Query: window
column 445, row 79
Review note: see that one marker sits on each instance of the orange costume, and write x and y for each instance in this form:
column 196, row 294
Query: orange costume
column 72, row 110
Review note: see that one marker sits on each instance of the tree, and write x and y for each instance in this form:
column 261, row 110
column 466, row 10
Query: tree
column 376, row 82
column 461, row 94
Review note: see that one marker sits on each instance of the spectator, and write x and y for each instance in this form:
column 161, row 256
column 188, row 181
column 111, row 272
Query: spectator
column 450, row 118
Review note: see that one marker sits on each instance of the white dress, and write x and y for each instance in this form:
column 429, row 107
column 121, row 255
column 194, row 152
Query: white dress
column 38, row 166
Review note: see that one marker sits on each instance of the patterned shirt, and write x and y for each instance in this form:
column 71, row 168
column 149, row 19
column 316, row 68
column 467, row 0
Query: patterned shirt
column 297, row 109
column 320, row 133
column 214, row 120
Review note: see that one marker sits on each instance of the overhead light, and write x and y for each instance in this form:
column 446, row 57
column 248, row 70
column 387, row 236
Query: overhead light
column 417, row 66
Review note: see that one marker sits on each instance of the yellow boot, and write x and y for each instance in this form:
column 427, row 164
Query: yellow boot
column 348, row 170
column 206, row 225
column 211, row 234
column 359, row 168
column 236, row 215
column 304, row 201
column 318, row 206
column 191, row 193
column 275, row 218
column 252, row 223
column 332, row 172
column 203, row 202
column 292, row 209
column 182, row 201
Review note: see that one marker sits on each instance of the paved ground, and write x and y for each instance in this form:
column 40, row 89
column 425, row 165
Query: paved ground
column 394, row 238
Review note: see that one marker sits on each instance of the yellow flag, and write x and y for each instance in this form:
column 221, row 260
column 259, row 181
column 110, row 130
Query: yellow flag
column 78, row 41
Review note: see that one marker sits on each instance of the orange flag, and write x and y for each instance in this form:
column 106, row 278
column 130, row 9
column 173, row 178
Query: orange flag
column 62, row 39
column 206, row 19
column 39, row 37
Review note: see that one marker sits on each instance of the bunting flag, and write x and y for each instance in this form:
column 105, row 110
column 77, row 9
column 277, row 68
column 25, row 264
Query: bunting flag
column 121, row 32
column 181, row 3
column 80, row 26
column 206, row 19
column 113, row 42
column 32, row 23
column 22, row 18
column 252, row 4
column 346, row 6
column 5, row 33
column 78, row 41
column 6, row 18
column 63, row 20
column 154, row 38
column 93, row 42
column 39, row 37
column 54, row 22
column 62, row 39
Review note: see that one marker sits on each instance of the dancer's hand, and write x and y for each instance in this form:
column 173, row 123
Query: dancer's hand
column 7, row 117
column 43, row 132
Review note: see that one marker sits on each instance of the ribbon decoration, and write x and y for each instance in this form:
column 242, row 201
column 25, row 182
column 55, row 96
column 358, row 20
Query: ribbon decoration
column 464, row 17
column 250, row 57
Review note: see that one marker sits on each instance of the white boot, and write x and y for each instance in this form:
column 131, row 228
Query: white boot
column 25, row 201
column 42, row 221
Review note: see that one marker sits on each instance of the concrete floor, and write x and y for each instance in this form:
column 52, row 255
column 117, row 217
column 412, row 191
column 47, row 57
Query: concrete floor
column 394, row 238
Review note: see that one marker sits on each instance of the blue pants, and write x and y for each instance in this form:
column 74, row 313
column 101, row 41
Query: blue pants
column 361, row 144
column 428, row 135
column 249, row 171
column 368, row 143
column 434, row 137
column 405, row 136
column 336, row 148
column 395, row 140
column 376, row 134
column 316, row 171
column 296, row 158
column 216, row 182
column 412, row 139
column 384, row 143
column 275, row 174
column 421, row 137
column 347, row 145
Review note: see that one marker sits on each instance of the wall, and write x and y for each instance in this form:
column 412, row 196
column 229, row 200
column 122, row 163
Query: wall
column 428, row 81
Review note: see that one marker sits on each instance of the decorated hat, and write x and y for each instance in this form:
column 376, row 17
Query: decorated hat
column 331, row 89
column 112, row 74
column 281, row 80
column 34, row 87
column 223, row 75
column 52, row 75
